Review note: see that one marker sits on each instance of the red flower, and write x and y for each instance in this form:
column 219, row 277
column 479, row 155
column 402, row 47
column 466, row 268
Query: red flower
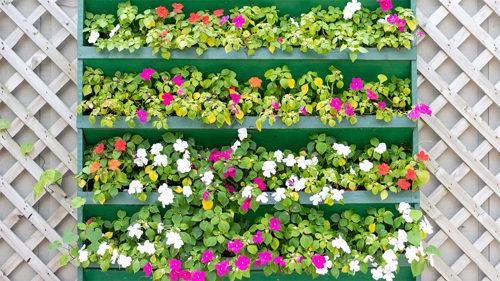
column 95, row 166
column 205, row 20
column 177, row 7
column 165, row 32
column 411, row 175
column 162, row 12
column 121, row 145
column 89, row 221
column 404, row 184
column 194, row 17
column 383, row 169
column 422, row 156
column 99, row 149
column 219, row 12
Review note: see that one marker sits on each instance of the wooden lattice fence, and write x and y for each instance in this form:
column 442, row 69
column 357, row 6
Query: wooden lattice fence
column 459, row 77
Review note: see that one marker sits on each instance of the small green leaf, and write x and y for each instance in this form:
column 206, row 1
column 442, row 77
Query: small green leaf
column 64, row 260
column 382, row 78
column 69, row 237
column 26, row 148
column 77, row 202
column 417, row 267
column 321, row 147
column 55, row 245
column 4, row 124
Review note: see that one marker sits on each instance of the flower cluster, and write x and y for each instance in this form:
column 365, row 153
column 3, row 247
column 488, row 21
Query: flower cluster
column 352, row 27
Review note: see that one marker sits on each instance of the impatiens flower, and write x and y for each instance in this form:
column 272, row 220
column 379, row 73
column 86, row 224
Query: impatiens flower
column 124, row 261
column 275, row 105
column 278, row 154
column 399, row 241
column 238, row 21
column 268, row 168
column 242, row 133
column 160, row 160
column 385, row 5
column 94, row 35
column 114, row 30
column 198, row 275
column 354, row 266
column 142, row 115
column 412, row 254
column 279, row 261
column 205, row 20
column 318, row 261
column 163, row 33
column 247, row 192
column 206, row 194
column 274, row 224
column 230, row 173
column 255, row 82
column 405, row 208
column 235, row 246
column 222, row 268
column 167, row 98
column 336, row 103
column 175, row 265
column 178, row 80
column 134, row 187
column 365, row 166
column 185, row 275
column 113, row 164
column 337, row 194
column 207, row 256
column 381, row 104
column 180, row 145
column 146, row 248
column 257, row 238
column 235, row 97
column 426, row 226
column 356, row 84
column 265, row 257
column 411, row 175
column 183, row 165
column 162, row 12
column 351, row 8
column 349, row 110
column 103, row 248
column 383, row 169
column 296, row 184
column 140, row 157
column 174, row 238
column 219, row 12
column 147, row 73
column 342, row 150
column 95, row 166
column 403, row 184
column 177, row 7
column 262, row 198
column 120, row 145
column 242, row 262
column 223, row 20
column 381, row 148
column 194, row 17
column 371, row 94
column 418, row 110
column 340, row 243
column 303, row 110
column 420, row 33
column 99, row 148
column 260, row 183
column 166, row 195
column 83, row 255
column 180, row 92
column 156, row 149
column 279, row 194
column 280, row 40
column 422, row 156
column 326, row 266
column 298, row 259
column 401, row 25
column 392, row 19
column 135, row 231
column 246, row 204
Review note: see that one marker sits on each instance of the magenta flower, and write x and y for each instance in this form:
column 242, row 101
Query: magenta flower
column 298, row 259
column 275, row 224
column 279, row 261
column 235, row 246
column 349, row 110
column 167, row 98
column 217, row 155
column 230, row 173
column 222, row 268
column 178, row 80
column 275, row 105
column 280, row 40
column 175, row 265
column 392, row 19
column 318, row 261
column 207, row 256
column 260, row 184
column 147, row 269
column 246, row 205
column 235, row 97
column 185, row 274
column 418, row 110
column 174, row 275
column 223, row 20
column 303, row 110
column 205, row 195
column 336, row 104
column 371, row 94
column 420, row 34
column 230, row 188
column 147, row 73
column 242, row 262
column 401, row 25
column 265, row 257
column 198, row 275
column 385, row 5
column 257, row 238
column 180, row 91
column 142, row 115
column 238, row 21
column 356, row 84
column 381, row 104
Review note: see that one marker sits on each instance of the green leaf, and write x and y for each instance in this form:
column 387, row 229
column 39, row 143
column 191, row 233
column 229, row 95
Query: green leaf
column 321, row 147
column 252, row 249
column 47, row 178
column 4, row 124
column 224, row 226
column 384, row 194
column 433, row 250
column 69, row 237
column 382, row 78
column 417, row 267
column 64, row 260
column 305, row 241
column 211, row 241
column 55, row 245
column 414, row 237
column 77, row 202
column 26, row 148
column 415, row 215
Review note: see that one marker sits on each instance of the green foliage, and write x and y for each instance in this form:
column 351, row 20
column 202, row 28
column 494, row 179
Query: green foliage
column 47, row 178
column 26, row 148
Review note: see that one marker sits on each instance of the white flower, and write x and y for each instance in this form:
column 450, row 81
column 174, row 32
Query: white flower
column 269, row 168
column 186, row 154
column 377, row 273
column 236, row 145
column 278, row 154
column 337, row 194
column 351, row 171
column 341, row 149
column 426, row 226
column 316, row 199
column 290, row 160
column 114, row 30
column 135, row 186
column 135, row 230
column 247, row 192
column 207, row 177
column 279, row 194
column 242, row 133
column 124, row 261
column 381, row 148
column 296, row 184
column 166, row 196
column 411, row 254
column 405, row 208
column 114, row 256
column 83, row 255
column 141, row 157
column 160, row 160
column 340, row 243
column 146, row 248
column 315, row 160
column 301, row 163
column 354, row 266
column 187, row 191
column 174, row 238
column 369, row 240
column 159, row 228
column 103, row 247
column 326, row 267
column 324, row 192
column 94, row 35
column 292, row 20
column 365, row 166
column 351, row 8
column 183, row 165
column 156, row 149
column 399, row 242
column 180, row 145
column 262, row 198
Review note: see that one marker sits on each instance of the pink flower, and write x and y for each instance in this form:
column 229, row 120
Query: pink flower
column 230, row 188
column 242, row 262
column 238, row 21
column 175, row 265
column 223, row 20
column 349, row 110
column 420, row 34
column 385, row 4
column 230, row 173
column 147, row 269
column 280, row 40
column 392, row 19
column 279, row 261
column 257, row 238
column 401, row 25
column 178, row 80
column 275, row 105
column 418, row 110
column 298, row 259
column 275, row 224
column 336, row 103
column 217, row 155
column 303, row 110
column 246, row 205
column 205, row 195
column 185, row 274
column 167, row 98
column 222, row 268
column 142, row 115
column 260, row 184
column 235, row 97
column 180, row 91
column 318, row 261
column 174, row 275
column 207, row 256
column 371, row 95
column 265, row 257
column 356, row 84
column 235, row 246
column 381, row 104
column 147, row 73
column 198, row 275
column 219, row 12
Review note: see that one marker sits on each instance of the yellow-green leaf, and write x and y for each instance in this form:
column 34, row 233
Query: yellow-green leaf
column 382, row 78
